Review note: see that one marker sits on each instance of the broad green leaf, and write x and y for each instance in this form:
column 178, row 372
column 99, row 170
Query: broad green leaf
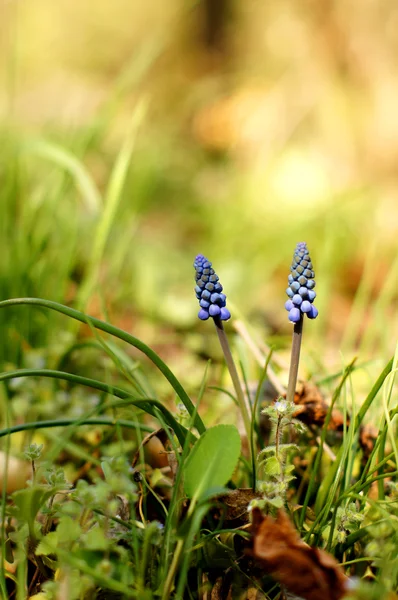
column 272, row 466
column 68, row 530
column 48, row 544
column 212, row 460
column 29, row 501
column 277, row 502
column 95, row 539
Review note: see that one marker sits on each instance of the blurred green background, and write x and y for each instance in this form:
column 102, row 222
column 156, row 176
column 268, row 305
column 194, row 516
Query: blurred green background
column 135, row 135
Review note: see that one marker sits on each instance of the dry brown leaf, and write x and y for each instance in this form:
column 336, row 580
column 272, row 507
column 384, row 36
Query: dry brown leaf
column 309, row 572
column 235, row 504
column 312, row 407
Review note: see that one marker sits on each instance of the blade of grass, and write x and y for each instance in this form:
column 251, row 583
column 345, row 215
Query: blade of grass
column 332, row 471
column 390, row 431
column 168, row 573
column 4, row 504
column 147, row 404
column 318, row 457
column 111, row 202
column 65, row 422
column 122, row 335
column 68, row 161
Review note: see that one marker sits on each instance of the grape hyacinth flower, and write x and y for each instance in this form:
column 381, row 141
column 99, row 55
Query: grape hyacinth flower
column 208, row 291
column 301, row 286
column 301, row 296
column 212, row 303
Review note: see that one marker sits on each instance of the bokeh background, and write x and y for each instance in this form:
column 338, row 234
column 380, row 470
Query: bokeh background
column 135, row 135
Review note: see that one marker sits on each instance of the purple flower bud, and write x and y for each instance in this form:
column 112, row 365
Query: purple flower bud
column 297, row 299
column 203, row 314
column 289, row 305
column 302, row 280
column 225, row 314
column 214, row 310
column 313, row 312
column 306, row 306
column 215, row 298
column 303, row 292
column 294, row 315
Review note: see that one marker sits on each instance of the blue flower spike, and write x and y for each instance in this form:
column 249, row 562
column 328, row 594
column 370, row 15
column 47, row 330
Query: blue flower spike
column 208, row 291
column 301, row 286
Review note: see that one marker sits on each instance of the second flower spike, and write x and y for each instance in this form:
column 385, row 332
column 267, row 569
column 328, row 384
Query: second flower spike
column 208, row 291
column 301, row 286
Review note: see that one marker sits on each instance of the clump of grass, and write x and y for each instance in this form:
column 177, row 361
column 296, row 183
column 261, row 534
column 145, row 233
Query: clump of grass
column 104, row 513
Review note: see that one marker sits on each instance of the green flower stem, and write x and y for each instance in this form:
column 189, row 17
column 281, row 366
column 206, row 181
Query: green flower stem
column 295, row 359
column 235, row 378
column 122, row 335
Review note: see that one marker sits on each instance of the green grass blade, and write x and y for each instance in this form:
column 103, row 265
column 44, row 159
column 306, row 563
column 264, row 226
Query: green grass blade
column 318, row 457
column 65, row 422
column 333, row 469
column 120, row 334
column 111, row 202
column 149, row 405
column 68, row 161
column 372, row 394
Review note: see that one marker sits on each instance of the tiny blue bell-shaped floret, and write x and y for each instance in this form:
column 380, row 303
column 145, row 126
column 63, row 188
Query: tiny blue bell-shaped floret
column 208, row 291
column 301, row 286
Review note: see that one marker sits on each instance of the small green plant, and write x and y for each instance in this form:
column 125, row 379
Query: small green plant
column 275, row 471
column 33, row 453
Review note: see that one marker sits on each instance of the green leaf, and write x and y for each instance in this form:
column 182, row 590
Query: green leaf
column 48, row 544
column 29, row 501
column 212, row 460
column 277, row 501
column 272, row 466
column 68, row 530
column 95, row 539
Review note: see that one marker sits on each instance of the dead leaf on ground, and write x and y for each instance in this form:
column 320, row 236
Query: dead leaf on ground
column 309, row 572
column 235, row 504
column 312, row 408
